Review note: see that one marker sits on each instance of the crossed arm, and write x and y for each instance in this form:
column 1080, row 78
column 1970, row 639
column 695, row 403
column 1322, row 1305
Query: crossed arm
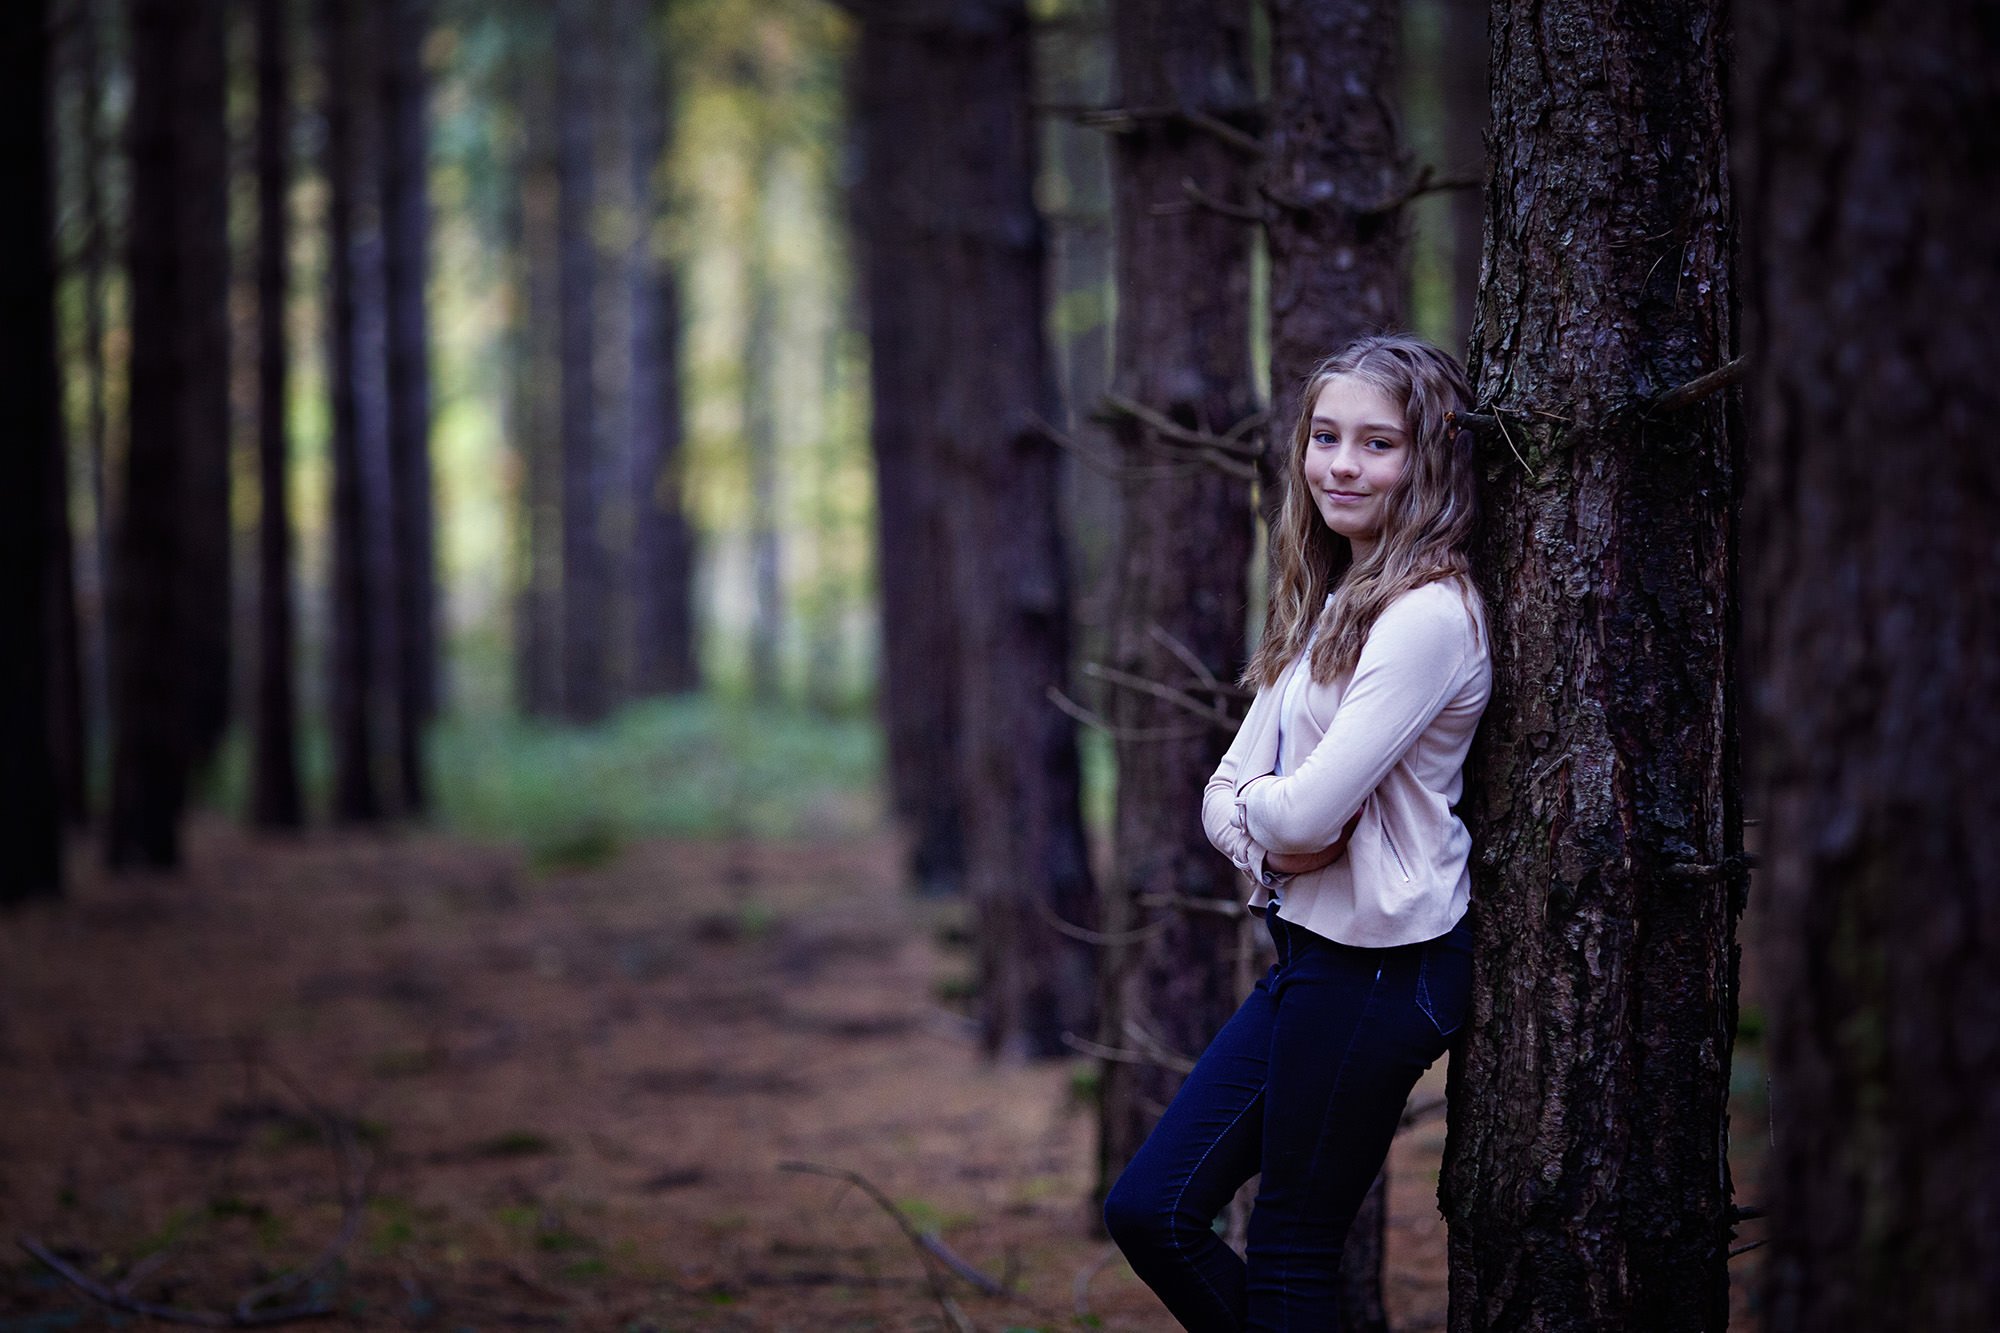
column 1301, row 863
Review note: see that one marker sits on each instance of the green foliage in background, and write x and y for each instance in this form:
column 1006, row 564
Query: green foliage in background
column 693, row 767
column 690, row 767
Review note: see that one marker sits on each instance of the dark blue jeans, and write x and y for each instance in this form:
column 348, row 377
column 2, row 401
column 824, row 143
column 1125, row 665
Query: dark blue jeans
column 1306, row 1083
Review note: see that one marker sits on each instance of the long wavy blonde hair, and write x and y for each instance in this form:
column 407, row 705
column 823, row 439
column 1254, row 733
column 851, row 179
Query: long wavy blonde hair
column 1427, row 517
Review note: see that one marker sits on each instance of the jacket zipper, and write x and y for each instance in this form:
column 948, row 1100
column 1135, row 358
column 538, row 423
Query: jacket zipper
column 1391, row 844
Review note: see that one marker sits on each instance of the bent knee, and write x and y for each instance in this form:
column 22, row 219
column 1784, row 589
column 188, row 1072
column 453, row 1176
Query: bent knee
column 1134, row 1217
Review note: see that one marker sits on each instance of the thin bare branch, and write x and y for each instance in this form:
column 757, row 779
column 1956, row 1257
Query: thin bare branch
column 1106, row 464
column 1241, row 212
column 1139, row 735
column 1229, row 443
column 930, row 1250
column 1128, row 119
column 1179, row 698
column 169, row 1314
column 1118, row 1055
column 1181, row 902
column 1698, row 388
column 1099, row 937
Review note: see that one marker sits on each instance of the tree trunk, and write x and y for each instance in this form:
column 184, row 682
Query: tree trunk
column 30, row 808
column 1075, row 70
column 662, row 582
column 152, row 586
column 96, row 230
column 1585, row 1177
column 1338, row 237
column 1183, row 352
column 356, row 791
column 1339, row 249
column 202, row 184
column 275, row 802
column 760, row 428
column 919, row 674
column 1466, row 106
column 404, row 141
column 979, row 265
column 1867, row 169
column 585, row 679
column 536, row 367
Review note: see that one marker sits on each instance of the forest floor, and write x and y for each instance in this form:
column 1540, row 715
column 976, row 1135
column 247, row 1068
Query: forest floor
column 569, row 1097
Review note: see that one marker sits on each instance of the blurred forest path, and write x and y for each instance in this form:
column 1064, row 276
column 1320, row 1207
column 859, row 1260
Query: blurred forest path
column 574, row 1088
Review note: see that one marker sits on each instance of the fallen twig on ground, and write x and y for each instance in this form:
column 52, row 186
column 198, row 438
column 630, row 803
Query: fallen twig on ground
column 930, row 1249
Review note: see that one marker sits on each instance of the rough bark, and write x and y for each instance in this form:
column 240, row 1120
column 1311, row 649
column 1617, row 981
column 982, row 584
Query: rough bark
column 275, row 801
column 151, row 735
column 918, row 687
column 1867, row 172
column 586, row 695
column 404, row 160
column 357, row 793
column 30, row 826
column 1585, row 1177
column 1183, row 352
column 663, row 552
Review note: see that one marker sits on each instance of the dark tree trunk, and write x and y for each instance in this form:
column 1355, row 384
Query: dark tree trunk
column 1338, row 240
column 585, row 678
column 356, row 791
column 536, row 367
column 405, row 254
column 152, row 586
column 92, row 150
column 1339, row 248
column 979, row 265
column 1183, row 352
column 1075, row 70
column 1585, row 1177
column 202, row 184
column 760, row 431
column 1467, row 105
column 1868, row 170
column 662, row 581
column 275, row 802
column 919, row 675
column 30, row 809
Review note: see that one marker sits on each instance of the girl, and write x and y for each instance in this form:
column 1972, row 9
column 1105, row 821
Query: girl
column 1336, row 799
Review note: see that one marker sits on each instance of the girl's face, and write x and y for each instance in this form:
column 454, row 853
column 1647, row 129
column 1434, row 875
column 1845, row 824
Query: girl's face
column 1357, row 450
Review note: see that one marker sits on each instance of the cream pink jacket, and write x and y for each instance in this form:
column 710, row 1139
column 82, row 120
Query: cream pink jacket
column 1388, row 740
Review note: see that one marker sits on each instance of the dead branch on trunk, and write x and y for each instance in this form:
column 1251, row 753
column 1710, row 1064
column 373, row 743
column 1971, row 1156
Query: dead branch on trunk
column 1166, row 693
column 1698, row 388
column 1097, row 723
column 1229, row 444
column 1130, row 119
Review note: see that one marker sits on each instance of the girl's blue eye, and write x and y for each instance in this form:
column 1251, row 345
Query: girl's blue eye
column 1379, row 443
column 1322, row 437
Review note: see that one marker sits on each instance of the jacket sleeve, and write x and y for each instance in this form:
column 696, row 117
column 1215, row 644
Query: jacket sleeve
column 1221, row 816
column 1409, row 669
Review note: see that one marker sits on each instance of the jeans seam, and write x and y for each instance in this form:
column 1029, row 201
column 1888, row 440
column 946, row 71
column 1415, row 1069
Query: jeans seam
column 1319, row 1146
column 1174, row 1213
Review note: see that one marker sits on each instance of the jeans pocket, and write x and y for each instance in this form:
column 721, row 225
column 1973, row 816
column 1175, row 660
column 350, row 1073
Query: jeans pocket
column 1444, row 986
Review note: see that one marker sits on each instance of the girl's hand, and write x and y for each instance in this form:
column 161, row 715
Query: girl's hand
column 1301, row 863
